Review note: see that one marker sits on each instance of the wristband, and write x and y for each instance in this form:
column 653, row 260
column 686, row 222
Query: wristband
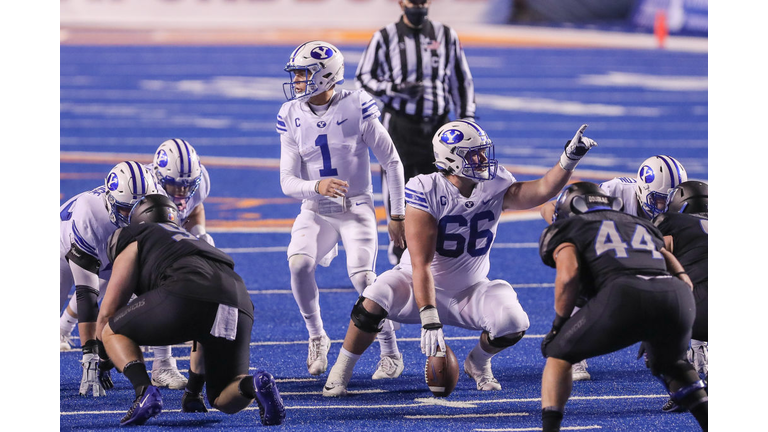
column 678, row 273
column 317, row 187
column 429, row 318
column 397, row 218
column 197, row 230
column 567, row 163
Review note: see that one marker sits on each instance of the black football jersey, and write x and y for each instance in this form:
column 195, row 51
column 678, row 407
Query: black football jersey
column 173, row 259
column 690, row 238
column 610, row 244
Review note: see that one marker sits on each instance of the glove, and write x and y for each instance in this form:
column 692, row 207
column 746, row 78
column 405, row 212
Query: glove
column 410, row 90
column 431, row 331
column 643, row 352
column 575, row 149
column 557, row 324
column 105, row 376
column 207, row 238
column 90, row 379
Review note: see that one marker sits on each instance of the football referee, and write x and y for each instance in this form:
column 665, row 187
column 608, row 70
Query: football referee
column 416, row 67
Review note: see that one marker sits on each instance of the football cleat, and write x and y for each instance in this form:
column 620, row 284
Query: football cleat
column 146, row 405
column 579, row 371
column 271, row 406
column 191, row 403
column 66, row 342
column 389, row 367
column 317, row 359
column 671, row 406
column 482, row 374
column 167, row 375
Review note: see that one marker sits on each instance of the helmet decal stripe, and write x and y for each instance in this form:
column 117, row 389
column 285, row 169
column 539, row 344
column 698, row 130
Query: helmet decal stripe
column 189, row 159
column 133, row 177
column 181, row 157
column 669, row 162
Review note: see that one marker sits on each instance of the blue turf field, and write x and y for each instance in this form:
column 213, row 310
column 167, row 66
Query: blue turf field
column 122, row 102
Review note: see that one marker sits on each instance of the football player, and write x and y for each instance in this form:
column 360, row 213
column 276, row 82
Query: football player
column 442, row 278
column 685, row 226
column 183, row 285
column 87, row 221
column 644, row 196
column 325, row 137
column 636, row 291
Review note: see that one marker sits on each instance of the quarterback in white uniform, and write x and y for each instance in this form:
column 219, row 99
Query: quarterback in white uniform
column 325, row 137
column 442, row 277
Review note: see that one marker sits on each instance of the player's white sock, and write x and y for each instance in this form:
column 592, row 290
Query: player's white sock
column 162, row 356
column 67, row 323
column 480, row 355
column 388, row 340
column 314, row 323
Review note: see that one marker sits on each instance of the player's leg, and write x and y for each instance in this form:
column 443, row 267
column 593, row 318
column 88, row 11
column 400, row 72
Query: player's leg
column 68, row 319
column 192, row 400
column 700, row 333
column 556, row 386
column 312, row 237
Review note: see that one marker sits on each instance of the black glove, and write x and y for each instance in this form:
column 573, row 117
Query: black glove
column 105, row 377
column 411, row 90
column 557, row 324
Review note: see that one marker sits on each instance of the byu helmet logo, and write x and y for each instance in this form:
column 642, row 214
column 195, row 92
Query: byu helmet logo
column 112, row 181
column 647, row 174
column 162, row 159
column 452, row 136
column 321, row 53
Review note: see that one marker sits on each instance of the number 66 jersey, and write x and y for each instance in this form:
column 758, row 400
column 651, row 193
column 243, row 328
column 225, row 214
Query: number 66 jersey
column 466, row 226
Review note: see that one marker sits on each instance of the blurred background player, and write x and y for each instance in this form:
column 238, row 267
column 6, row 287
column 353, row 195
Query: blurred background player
column 187, row 290
column 87, row 221
column 417, row 68
column 644, row 196
column 325, row 136
column 452, row 217
column 685, row 226
column 633, row 293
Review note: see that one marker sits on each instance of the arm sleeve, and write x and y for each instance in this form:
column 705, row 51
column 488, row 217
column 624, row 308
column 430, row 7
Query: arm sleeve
column 462, row 85
column 290, row 171
column 368, row 75
column 378, row 139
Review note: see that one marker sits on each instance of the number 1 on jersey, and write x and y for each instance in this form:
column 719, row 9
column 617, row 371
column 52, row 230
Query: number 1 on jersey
column 327, row 170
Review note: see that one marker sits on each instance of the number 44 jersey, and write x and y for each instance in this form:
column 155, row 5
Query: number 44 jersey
column 466, row 226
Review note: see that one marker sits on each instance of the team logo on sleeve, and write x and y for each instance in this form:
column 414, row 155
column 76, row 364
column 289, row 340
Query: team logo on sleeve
column 112, row 181
column 321, row 53
column 452, row 136
column 162, row 159
column 647, row 174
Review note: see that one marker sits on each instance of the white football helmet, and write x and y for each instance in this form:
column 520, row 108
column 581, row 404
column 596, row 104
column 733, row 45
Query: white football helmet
column 462, row 148
column 657, row 176
column 126, row 184
column 323, row 67
column 178, row 170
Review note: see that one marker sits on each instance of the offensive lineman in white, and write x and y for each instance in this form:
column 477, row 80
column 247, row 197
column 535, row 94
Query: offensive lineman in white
column 87, row 221
column 644, row 196
column 442, row 277
column 325, row 137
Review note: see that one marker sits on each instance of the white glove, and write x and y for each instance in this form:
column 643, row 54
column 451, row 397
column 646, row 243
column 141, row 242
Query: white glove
column 431, row 331
column 206, row 238
column 575, row 149
column 90, row 378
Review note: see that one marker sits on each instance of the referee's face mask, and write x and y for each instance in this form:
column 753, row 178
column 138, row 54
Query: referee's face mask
column 415, row 11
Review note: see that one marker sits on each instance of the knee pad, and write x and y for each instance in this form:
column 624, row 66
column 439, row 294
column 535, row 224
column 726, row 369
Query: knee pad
column 364, row 320
column 683, row 384
column 362, row 279
column 87, row 303
column 301, row 264
column 506, row 340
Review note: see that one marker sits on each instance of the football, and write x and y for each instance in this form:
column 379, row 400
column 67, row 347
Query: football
column 441, row 372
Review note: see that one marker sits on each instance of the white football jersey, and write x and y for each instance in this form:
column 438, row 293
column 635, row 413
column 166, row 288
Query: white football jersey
column 85, row 222
column 466, row 226
column 331, row 144
column 624, row 188
column 200, row 195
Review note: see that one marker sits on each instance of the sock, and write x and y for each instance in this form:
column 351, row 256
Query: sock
column 388, row 341
column 314, row 323
column 349, row 356
column 195, row 383
column 67, row 323
column 551, row 418
column 136, row 372
column 342, row 369
column 162, row 357
column 479, row 354
column 247, row 387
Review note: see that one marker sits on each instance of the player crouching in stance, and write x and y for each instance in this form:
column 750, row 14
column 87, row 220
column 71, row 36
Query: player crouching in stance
column 452, row 217
column 187, row 290
column 638, row 291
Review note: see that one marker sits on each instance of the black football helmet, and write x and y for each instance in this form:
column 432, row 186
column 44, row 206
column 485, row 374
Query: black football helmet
column 154, row 208
column 689, row 197
column 583, row 197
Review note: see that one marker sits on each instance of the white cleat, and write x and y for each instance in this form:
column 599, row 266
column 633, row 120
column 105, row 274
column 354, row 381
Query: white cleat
column 66, row 342
column 317, row 359
column 334, row 389
column 698, row 356
column 166, row 374
column 338, row 378
column 389, row 367
column 579, row 371
column 482, row 374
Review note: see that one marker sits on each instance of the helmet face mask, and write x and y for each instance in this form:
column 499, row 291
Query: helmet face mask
column 178, row 170
column 657, row 176
column 126, row 184
column 462, row 148
column 314, row 67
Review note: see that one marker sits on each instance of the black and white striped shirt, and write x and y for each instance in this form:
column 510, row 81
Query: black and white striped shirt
column 440, row 65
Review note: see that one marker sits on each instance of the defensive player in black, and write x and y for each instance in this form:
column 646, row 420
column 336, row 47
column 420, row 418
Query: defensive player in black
column 685, row 226
column 636, row 291
column 187, row 290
